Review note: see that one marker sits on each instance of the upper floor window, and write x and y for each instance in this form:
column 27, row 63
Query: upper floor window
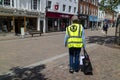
column 7, row 2
column 64, row 6
column 12, row 2
column 49, row 4
column 74, row 9
column 1, row 2
column 69, row 8
column 87, row 9
column 35, row 4
column 96, row 3
column 75, row 0
column 81, row 8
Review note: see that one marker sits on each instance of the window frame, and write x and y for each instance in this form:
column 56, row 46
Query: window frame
column 35, row 4
column 75, row 9
column 64, row 7
column 49, row 4
column 70, row 7
column 6, row 2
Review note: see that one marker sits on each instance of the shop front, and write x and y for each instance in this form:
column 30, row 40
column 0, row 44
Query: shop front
column 12, row 21
column 83, row 20
column 93, row 21
column 57, row 21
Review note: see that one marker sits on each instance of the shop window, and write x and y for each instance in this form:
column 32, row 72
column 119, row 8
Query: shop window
column 31, row 24
column 5, row 24
column 81, row 9
column 52, row 24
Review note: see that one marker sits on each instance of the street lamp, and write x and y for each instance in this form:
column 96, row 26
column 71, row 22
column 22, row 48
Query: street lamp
column 117, row 32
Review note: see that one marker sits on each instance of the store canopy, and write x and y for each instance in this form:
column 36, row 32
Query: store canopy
column 90, row 18
column 93, row 18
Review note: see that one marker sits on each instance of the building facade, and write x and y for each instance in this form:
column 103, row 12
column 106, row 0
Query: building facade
column 15, row 14
column 101, row 16
column 59, row 13
column 109, row 17
column 88, row 12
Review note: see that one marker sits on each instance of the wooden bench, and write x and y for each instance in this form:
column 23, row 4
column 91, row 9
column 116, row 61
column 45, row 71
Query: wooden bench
column 32, row 32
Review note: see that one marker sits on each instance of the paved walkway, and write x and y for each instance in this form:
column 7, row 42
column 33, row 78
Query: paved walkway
column 11, row 36
column 104, row 56
column 105, row 61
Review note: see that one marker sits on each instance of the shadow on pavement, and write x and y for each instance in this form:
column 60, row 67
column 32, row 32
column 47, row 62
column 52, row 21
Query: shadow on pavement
column 19, row 73
column 103, row 40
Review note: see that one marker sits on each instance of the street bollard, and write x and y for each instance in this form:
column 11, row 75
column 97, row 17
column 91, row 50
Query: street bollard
column 22, row 32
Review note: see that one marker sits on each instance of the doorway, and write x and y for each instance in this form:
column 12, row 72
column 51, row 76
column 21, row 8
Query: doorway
column 41, row 25
column 19, row 22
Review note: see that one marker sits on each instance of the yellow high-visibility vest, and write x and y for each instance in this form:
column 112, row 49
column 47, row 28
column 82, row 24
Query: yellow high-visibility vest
column 74, row 32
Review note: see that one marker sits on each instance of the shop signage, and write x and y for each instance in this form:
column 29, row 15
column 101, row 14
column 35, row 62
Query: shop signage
column 65, row 16
column 93, row 18
column 83, row 16
column 58, row 15
column 32, row 13
column 17, row 12
column 7, row 11
column 56, row 7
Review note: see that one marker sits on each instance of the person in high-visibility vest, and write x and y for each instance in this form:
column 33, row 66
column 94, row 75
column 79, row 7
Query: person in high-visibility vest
column 74, row 39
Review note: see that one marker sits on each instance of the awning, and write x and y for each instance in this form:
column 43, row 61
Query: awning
column 95, row 18
column 90, row 18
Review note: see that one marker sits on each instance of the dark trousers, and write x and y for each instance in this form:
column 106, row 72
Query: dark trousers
column 74, row 55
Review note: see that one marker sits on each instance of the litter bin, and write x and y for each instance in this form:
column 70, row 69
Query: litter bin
column 22, row 32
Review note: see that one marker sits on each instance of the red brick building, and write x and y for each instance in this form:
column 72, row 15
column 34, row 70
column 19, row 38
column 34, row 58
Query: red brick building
column 88, row 12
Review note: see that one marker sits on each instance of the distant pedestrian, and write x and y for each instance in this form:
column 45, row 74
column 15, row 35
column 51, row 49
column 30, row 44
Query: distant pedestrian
column 74, row 39
column 105, row 28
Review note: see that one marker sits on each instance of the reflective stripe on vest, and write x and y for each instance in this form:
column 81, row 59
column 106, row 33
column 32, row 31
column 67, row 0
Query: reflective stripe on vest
column 74, row 39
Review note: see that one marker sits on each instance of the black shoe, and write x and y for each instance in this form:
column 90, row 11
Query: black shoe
column 76, row 70
column 71, row 70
